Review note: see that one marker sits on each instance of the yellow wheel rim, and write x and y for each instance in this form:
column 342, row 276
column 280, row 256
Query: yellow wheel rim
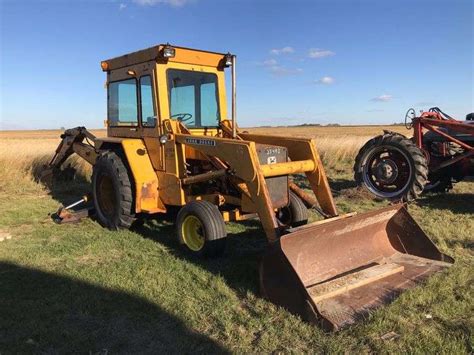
column 192, row 232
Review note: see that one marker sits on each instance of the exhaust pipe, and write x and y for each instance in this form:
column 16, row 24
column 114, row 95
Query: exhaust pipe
column 234, row 98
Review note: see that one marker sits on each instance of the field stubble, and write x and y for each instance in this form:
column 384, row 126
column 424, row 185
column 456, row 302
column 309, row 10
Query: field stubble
column 82, row 288
column 337, row 145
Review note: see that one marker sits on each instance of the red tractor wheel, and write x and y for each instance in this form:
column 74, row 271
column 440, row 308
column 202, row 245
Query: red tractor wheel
column 391, row 167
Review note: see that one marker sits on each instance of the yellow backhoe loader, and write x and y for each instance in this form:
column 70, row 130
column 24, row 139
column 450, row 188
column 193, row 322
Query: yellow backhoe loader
column 170, row 144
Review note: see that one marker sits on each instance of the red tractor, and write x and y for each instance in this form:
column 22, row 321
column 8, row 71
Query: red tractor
column 441, row 152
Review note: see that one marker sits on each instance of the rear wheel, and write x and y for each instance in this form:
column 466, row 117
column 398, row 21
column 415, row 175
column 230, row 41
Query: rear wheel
column 391, row 167
column 112, row 192
column 295, row 214
column 201, row 229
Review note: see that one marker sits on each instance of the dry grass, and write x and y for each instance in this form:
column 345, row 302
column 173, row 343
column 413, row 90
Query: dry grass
column 337, row 145
column 42, row 134
column 323, row 131
column 21, row 159
column 26, row 151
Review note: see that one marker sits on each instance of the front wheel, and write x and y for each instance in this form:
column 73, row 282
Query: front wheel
column 201, row 229
column 391, row 167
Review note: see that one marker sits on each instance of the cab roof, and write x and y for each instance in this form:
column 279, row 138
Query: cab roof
column 182, row 55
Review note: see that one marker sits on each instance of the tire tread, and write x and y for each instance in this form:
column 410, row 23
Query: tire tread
column 419, row 163
column 126, row 209
column 213, row 224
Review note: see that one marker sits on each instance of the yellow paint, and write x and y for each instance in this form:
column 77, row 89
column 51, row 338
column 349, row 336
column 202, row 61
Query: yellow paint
column 170, row 190
column 192, row 232
column 243, row 160
column 303, row 149
column 216, row 199
column 232, row 215
column 193, row 56
column 233, row 151
column 292, row 167
column 146, row 181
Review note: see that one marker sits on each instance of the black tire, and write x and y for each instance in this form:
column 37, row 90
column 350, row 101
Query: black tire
column 211, row 229
column 406, row 165
column 112, row 192
column 295, row 214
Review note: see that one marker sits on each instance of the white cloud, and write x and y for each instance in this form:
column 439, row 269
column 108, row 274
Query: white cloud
column 277, row 70
column 317, row 53
column 122, row 6
column 269, row 63
column 174, row 3
column 382, row 98
column 325, row 80
column 284, row 50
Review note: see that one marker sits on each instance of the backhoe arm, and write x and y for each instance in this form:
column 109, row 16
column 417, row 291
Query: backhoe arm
column 72, row 142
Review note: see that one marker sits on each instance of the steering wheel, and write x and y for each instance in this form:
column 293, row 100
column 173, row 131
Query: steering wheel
column 409, row 116
column 182, row 117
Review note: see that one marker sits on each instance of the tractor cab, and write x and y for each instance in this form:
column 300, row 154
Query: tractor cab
column 147, row 87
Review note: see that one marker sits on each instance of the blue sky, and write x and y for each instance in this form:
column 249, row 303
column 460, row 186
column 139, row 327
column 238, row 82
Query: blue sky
column 350, row 62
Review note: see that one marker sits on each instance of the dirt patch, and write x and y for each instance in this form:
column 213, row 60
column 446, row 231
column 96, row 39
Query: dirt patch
column 4, row 236
column 356, row 192
column 21, row 230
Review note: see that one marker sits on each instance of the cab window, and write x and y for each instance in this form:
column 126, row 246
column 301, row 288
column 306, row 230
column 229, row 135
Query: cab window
column 193, row 98
column 122, row 103
column 146, row 98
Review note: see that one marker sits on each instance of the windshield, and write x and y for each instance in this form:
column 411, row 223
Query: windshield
column 193, row 98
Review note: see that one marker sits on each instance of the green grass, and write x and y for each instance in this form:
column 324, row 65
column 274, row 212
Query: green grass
column 81, row 288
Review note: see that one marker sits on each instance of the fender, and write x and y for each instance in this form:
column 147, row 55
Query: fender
column 145, row 179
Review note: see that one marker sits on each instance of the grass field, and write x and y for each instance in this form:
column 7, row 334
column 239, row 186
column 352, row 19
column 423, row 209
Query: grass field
column 81, row 288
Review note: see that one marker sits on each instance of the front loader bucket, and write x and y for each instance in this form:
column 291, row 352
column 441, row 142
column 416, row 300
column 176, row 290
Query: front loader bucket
column 334, row 273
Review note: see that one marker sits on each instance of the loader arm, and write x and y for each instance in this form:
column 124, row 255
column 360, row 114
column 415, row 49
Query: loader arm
column 302, row 150
column 243, row 163
column 241, row 156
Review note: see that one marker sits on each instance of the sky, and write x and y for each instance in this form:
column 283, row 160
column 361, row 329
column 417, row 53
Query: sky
column 340, row 61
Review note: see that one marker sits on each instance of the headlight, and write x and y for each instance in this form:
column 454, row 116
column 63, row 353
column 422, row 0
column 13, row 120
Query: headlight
column 163, row 139
column 168, row 51
column 228, row 60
